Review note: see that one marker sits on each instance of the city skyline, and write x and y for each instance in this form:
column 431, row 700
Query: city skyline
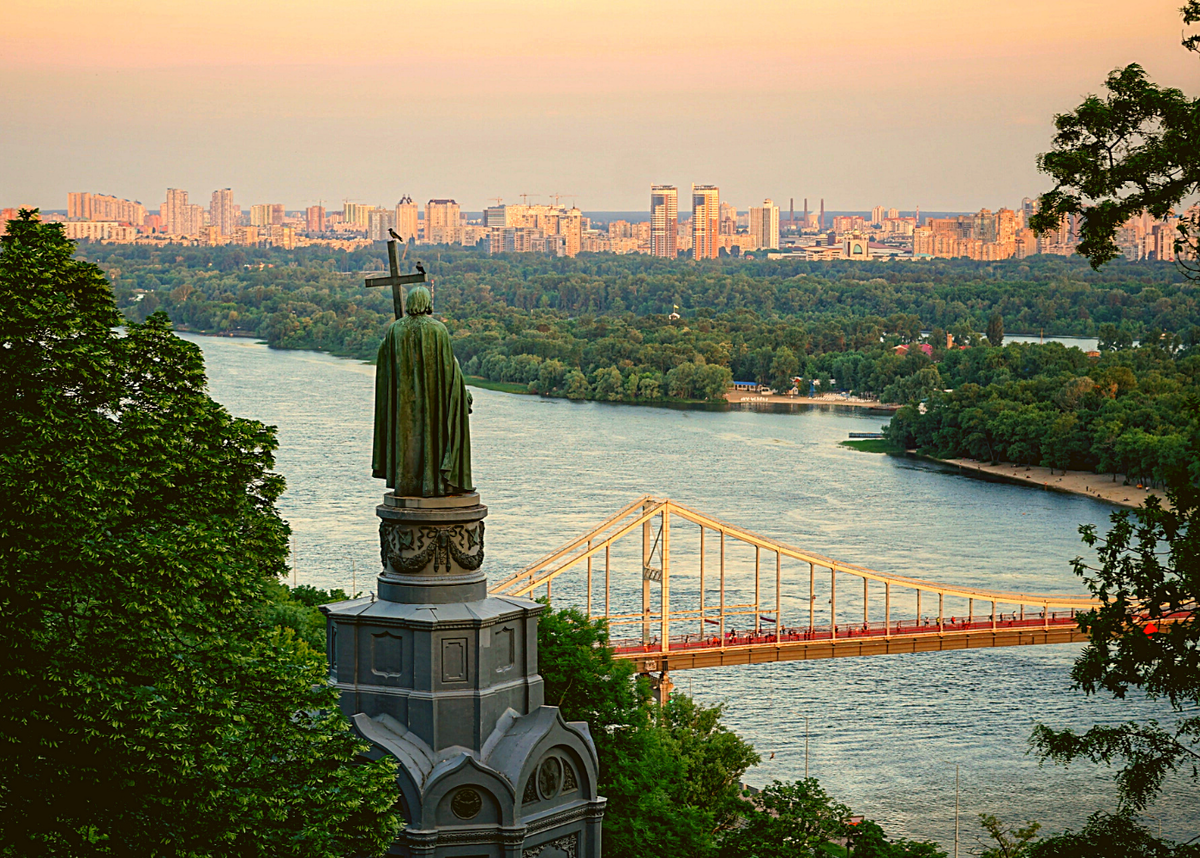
column 944, row 105
column 714, row 229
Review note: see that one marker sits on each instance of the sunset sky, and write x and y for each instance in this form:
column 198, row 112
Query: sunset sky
column 930, row 102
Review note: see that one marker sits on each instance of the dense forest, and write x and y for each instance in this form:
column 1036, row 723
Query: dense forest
column 1131, row 411
column 599, row 327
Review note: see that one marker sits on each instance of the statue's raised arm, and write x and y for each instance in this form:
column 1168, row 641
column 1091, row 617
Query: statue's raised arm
column 422, row 433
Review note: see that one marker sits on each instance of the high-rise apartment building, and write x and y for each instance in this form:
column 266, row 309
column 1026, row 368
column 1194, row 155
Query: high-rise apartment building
column 379, row 222
column 357, row 214
column 221, row 214
column 314, row 219
column 267, row 214
column 495, row 217
column 664, row 220
column 406, row 218
column 571, row 228
column 174, row 211
column 877, row 215
column 764, row 225
column 443, row 224
column 706, row 221
column 103, row 207
column 260, row 215
column 728, row 219
column 79, row 206
column 984, row 236
column 180, row 217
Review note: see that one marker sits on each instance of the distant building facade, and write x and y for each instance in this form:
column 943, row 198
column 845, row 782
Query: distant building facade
column 764, row 225
column 180, row 217
column 443, row 223
column 84, row 206
column 222, row 214
column 664, row 221
column 314, row 219
column 706, row 221
column 407, row 221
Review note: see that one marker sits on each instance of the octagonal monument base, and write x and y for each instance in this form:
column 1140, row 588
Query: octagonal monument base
column 443, row 678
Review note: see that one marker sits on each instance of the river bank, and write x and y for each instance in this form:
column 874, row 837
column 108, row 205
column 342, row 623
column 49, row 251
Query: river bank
column 1098, row 486
column 741, row 397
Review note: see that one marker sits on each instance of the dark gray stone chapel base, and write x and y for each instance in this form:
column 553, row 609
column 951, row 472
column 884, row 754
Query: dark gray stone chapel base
column 443, row 678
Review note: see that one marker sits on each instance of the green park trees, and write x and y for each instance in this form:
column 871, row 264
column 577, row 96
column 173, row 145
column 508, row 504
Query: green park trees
column 1145, row 636
column 152, row 706
column 995, row 330
column 1135, row 149
column 672, row 774
column 1126, row 412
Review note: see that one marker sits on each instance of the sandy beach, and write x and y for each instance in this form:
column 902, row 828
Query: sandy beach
column 1099, row 486
column 741, row 397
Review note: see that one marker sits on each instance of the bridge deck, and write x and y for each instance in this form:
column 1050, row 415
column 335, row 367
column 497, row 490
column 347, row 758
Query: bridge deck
column 691, row 651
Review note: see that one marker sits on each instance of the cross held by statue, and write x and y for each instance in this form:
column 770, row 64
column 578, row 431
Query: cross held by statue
column 396, row 280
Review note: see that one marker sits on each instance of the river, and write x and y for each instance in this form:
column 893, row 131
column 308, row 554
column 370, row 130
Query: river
column 885, row 732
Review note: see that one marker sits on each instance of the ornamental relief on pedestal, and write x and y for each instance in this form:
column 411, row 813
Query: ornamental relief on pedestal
column 462, row 543
column 568, row 846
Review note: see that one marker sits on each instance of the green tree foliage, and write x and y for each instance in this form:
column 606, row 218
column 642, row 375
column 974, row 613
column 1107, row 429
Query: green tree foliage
column 1006, row 841
column 995, row 330
column 1111, row 835
column 1127, row 412
column 296, row 609
column 787, row 820
column 1148, row 575
column 1135, row 149
column 800, row 820
column 671, row 776
column 551, row 325
column 151, row 706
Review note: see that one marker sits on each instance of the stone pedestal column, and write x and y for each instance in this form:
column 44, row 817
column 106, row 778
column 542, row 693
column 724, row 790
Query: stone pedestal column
column 432, row 549
column 442, row 677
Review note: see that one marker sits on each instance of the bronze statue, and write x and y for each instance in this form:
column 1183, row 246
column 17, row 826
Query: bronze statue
column 422, row 435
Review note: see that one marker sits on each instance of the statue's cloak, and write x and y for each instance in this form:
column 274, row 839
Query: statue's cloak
column 422, row 437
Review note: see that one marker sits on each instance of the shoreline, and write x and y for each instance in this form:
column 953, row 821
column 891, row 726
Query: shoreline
column 1084, row 483
column 738, row 397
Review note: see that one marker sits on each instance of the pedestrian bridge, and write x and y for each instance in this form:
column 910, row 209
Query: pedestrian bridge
column 695, row 591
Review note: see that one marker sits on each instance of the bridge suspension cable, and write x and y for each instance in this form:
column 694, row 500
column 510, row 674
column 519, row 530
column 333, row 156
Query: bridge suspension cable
column 700, row 633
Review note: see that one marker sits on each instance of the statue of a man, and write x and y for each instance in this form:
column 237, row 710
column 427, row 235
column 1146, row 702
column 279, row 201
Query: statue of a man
column 422, row 437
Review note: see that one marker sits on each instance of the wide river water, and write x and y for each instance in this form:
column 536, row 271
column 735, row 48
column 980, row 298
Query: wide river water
column 885, row 732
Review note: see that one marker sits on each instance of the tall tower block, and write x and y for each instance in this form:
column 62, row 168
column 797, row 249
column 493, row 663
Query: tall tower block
column 821, row 219
column 706, row 221
column 664, row 220
column 791, row 212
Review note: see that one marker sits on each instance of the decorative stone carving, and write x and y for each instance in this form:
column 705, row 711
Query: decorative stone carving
column 549, row 777
column 466, row 803
column 569, row 782
column 530, row 789
column 568, row 846
column 430, row 544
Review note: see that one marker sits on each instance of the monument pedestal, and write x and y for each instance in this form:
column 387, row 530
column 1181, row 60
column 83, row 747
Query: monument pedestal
column 443, row 678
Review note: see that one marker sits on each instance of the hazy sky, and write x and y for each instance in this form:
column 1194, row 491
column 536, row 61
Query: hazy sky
column 941, row 103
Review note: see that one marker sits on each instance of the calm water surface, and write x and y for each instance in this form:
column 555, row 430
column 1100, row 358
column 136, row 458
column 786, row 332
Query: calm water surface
column 885, row 732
